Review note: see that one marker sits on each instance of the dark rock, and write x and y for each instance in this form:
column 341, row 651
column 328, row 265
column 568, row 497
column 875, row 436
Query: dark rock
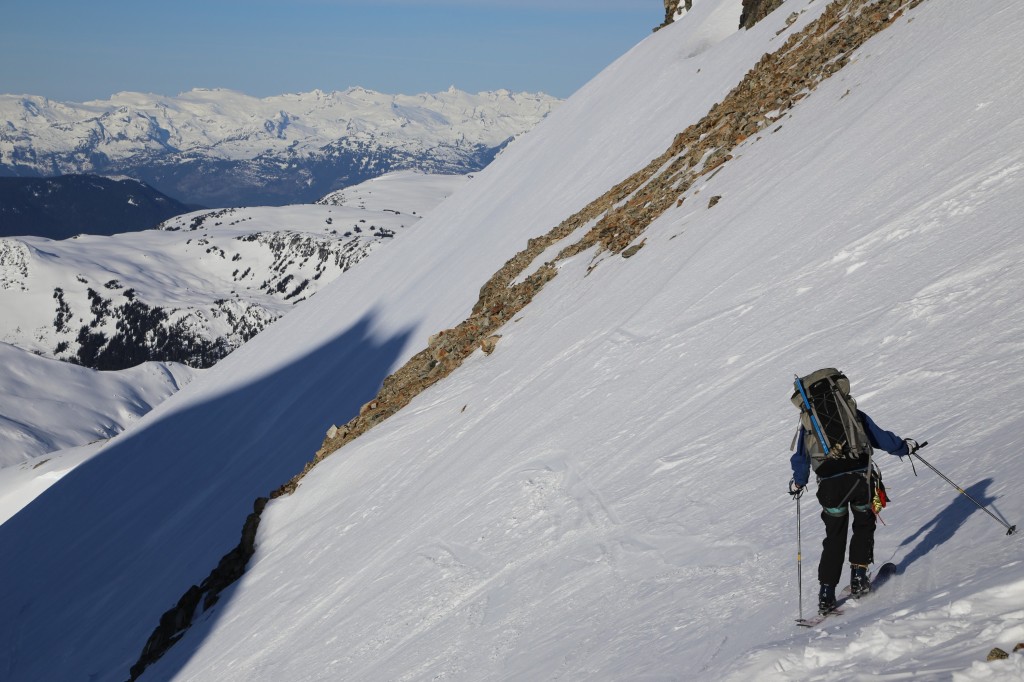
column 632, row 251
column 174, row 622
column 671, row 7
column 756, row 10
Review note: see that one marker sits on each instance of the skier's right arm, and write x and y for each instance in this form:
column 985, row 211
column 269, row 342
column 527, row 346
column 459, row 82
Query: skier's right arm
column 886, row 440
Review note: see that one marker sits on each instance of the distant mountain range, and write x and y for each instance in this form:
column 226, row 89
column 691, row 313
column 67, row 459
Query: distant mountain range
column 222, row 148
column 68, row 205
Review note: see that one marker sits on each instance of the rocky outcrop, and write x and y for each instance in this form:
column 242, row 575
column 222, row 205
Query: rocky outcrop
column 619, row 217
column 997, row 654
column 756, row 10
column 673, row 10
column 177, row 620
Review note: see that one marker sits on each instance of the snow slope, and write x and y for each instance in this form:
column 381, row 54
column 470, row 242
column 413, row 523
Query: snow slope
column 49, row 408
column 46, row 405
column 25, row 481
column 603, row 497
column 55, row 415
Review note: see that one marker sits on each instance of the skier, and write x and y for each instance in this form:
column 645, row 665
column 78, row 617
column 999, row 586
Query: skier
column 842, row 488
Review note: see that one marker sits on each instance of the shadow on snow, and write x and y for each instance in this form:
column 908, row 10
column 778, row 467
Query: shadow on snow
column 946, row 523
column 90, row 565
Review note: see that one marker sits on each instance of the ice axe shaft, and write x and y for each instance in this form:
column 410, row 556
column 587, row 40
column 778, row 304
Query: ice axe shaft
column 799, row 562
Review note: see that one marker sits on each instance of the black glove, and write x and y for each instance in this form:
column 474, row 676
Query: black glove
column 795, row 489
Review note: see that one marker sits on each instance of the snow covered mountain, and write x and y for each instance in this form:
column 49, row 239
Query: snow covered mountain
column 202, row 284
column 224, row 148
column 64, row 206
column 557, row 412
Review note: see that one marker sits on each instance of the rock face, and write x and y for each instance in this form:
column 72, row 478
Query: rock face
column 753, row 11
column 177, row 620
column 675, row 9
column 756, row 10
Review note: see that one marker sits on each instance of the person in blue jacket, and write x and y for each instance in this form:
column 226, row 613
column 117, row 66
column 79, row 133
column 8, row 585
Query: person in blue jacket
column 842, row 489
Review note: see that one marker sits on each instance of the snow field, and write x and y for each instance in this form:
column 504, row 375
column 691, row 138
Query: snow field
column 48, row 406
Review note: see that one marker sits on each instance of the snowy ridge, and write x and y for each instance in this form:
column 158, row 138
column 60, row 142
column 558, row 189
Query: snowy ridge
column 232, row 125
column 55, row 415
column 47, row 405
column 603, row 497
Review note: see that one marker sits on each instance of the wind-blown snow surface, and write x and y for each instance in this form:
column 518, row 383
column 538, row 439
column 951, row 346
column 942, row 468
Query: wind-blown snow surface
column 603, row 498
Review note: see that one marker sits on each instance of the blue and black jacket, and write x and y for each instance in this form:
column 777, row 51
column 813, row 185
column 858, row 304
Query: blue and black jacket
column 879, row 437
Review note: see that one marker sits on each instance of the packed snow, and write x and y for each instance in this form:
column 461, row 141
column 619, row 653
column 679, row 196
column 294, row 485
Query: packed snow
column 604, row 496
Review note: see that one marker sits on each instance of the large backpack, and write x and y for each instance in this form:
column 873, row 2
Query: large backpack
column 834, row 436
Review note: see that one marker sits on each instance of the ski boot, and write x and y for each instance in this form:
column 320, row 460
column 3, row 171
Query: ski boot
column 859, row 583
column 826, row 599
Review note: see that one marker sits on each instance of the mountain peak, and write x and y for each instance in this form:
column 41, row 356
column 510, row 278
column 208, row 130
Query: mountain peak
column 282, row 149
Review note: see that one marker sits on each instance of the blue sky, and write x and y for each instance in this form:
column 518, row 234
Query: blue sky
column 77, row 51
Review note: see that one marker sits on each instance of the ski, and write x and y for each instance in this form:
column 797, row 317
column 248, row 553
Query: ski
column 881, row 577
column 819, row 618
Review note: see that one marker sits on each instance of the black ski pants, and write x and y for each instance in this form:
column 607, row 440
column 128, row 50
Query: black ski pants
column 840, row 497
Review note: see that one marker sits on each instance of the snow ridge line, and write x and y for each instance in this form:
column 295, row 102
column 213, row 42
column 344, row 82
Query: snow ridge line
column 776, row 84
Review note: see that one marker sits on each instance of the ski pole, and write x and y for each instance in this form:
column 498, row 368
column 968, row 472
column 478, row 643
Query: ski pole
column 799, row 562
column 1009, row 529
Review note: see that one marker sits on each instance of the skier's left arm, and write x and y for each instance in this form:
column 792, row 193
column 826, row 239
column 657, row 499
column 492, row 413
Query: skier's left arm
column 882, row 439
